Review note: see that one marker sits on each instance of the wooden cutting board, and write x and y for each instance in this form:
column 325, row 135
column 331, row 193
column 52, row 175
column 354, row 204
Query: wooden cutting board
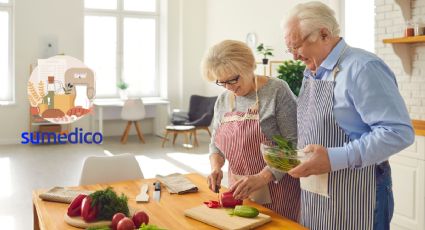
column 219, row 218
column 78, row 222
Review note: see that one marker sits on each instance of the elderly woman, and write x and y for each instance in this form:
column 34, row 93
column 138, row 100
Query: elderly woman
column 352, row 118
column 249, row 112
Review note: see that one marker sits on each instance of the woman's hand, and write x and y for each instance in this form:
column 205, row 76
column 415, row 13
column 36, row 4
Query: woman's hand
column 214, row 179
column 251, row 183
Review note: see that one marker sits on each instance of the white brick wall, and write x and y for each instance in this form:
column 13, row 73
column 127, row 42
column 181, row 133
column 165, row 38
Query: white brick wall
column 410, row 74
column 408, row 64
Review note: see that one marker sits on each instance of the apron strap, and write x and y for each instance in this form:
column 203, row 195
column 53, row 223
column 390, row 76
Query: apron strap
column 336, row 68
column 255, row 106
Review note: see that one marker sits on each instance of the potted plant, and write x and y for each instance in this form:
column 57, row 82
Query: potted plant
column 123, row 87
column 261, row 49
column 292, row 72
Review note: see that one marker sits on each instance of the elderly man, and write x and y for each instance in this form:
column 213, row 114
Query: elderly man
column 351, row 119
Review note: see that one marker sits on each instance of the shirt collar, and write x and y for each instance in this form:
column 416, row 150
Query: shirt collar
column 330, row 61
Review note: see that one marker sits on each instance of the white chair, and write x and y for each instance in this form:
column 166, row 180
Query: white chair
column 105, row 169
column 133, row 111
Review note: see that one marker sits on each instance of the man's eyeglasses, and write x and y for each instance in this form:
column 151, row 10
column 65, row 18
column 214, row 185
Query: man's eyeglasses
column 228, row 82
column 294, row 49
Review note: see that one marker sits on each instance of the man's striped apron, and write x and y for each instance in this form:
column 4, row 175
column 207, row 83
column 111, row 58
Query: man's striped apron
column 351, row 201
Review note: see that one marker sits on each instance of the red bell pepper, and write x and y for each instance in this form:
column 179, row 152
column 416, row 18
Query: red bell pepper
column 74, row 208
column 227, row 200
column 88, row 212
column 212, row 204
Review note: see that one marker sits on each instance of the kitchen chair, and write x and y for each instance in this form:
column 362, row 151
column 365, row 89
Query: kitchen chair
column 187, row 130
column 133, row 111
column 201, row 112
column 105, row 169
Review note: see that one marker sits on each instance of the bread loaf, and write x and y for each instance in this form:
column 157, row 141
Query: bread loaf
column 52, row 113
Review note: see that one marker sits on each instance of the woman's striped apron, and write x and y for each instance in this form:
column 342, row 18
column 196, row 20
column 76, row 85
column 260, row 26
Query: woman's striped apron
column 351, row 200
column 239, row 137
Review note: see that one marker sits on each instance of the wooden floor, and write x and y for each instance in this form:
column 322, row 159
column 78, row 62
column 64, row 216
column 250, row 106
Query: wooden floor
column 25, row 167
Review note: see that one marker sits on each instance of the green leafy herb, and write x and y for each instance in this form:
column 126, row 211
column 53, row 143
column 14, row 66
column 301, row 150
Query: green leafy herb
column 284, row 145
column 109, row 203
column 282, row 158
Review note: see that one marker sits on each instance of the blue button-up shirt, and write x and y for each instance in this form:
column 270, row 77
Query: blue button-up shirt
column 367, row 106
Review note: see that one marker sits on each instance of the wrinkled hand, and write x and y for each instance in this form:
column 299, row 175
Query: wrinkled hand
column 214, row 179
column 246, row 185
column 318, row 162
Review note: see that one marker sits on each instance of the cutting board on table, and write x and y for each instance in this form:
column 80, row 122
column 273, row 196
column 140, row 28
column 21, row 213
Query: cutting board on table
column 220, row 218
column 77, row 221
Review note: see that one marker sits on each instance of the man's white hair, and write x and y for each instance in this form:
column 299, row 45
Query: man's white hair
column 313, row 16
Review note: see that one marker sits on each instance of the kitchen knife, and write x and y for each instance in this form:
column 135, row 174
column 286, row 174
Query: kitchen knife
column 157, row 192
column 217, row 190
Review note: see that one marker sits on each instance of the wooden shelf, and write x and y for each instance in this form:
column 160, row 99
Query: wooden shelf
column 415, row 39
column 419, row 127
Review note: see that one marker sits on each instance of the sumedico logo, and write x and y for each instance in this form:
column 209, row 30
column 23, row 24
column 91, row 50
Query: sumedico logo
column 60, row 91
column 77, row 136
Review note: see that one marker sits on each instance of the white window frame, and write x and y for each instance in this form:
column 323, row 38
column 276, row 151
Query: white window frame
column 119, row 14
column 8, row 7
column 344, row 25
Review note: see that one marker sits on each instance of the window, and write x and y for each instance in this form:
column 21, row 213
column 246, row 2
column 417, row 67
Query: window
column 360, row 30
column 121, row 42
column 6, row 53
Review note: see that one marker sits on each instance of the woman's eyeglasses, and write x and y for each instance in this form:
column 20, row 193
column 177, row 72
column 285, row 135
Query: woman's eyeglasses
column 228, row 82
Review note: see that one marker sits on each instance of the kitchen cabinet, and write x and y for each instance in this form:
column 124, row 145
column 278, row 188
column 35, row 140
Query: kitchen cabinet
column 408, row 174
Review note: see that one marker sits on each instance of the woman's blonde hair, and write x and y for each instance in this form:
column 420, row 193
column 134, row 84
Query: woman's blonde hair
column 228, row 57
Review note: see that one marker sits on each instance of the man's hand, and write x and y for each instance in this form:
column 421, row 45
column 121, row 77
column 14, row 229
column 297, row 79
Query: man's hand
column 317, row 163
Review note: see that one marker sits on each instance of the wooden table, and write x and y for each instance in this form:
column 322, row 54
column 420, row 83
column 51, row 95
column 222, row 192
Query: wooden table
column 168, row 213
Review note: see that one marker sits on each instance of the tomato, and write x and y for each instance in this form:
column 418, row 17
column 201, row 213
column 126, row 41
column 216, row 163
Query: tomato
column 126, row 224
column 139, row 218
column 227, row 200
column 74, row 208
column 115, row 219
column 87, row 212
